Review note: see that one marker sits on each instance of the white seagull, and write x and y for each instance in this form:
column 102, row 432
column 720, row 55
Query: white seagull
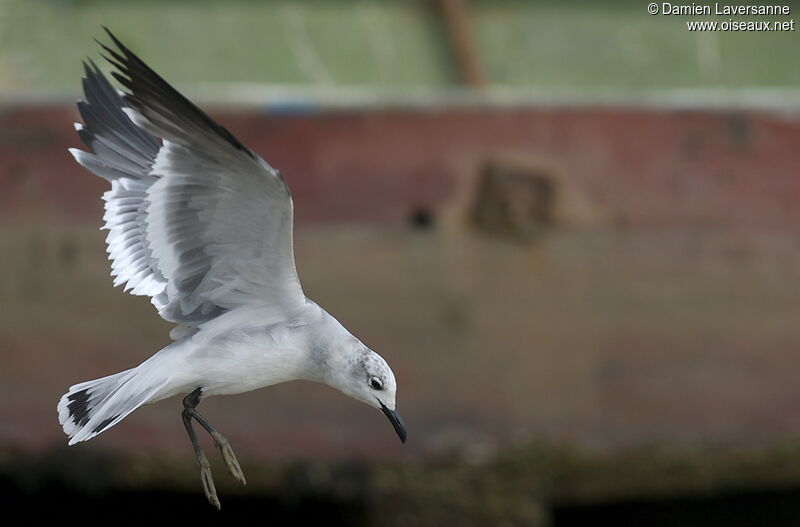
column 203, row 226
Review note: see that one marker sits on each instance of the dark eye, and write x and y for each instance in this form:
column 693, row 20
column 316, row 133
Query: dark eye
column 376, row 383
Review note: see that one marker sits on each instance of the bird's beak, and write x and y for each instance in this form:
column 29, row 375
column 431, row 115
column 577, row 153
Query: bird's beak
column 396, row 420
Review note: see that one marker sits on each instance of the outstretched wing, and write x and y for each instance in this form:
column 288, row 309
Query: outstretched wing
column 198, row 222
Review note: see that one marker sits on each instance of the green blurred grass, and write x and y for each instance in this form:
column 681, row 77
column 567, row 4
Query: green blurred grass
column 384, row 43
column 618, row 44
column 238, row 41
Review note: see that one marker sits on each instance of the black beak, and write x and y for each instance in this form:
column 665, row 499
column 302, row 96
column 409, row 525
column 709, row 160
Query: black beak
column 396, row 420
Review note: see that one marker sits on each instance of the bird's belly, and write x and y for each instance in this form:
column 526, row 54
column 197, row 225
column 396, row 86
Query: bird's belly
column 244, row 369
column 232, row 360
column 247, row 381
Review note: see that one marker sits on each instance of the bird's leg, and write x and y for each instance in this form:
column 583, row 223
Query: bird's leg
column 189, row 402
column 224, row 447
column 220, row 441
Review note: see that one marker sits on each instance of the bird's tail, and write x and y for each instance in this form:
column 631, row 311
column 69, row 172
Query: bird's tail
column 92, row 407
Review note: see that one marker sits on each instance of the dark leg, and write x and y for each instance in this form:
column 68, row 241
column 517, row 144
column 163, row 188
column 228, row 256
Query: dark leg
column 189, row 402
column 224, row 446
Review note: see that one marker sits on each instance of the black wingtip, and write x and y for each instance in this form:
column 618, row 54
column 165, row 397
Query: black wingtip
column 110, row 34
column 117, row 64
column 116, row 59
column 149, row 92
column 90, row 68
column 116, row 41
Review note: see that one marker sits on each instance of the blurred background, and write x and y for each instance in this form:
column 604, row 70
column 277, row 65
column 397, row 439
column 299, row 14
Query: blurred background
column 572, row 228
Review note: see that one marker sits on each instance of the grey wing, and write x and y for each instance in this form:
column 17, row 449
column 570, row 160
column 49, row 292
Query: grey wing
column 197, row 222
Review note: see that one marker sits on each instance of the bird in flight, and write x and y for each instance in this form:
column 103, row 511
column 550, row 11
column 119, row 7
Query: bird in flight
column 203, row 226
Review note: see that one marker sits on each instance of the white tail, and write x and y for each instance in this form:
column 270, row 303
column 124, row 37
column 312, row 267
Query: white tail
column 92, row 407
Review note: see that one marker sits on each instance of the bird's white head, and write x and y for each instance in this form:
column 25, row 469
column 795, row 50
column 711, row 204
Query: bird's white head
column 357, row 371
column 369, row 379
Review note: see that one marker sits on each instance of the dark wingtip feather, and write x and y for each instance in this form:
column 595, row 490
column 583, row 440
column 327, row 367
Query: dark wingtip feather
column 114, row 63
column 110, row 34
column 125, row 51
column 110, row 51
column 107, row 131
column 94, row 68
column 149, row 92
column 118, row 61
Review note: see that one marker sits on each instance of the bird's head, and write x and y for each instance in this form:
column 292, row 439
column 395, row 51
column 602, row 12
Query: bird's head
column 367, row 377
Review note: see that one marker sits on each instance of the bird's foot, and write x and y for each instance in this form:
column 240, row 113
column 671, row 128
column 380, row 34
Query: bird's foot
column 231, row 462
column 208, row 481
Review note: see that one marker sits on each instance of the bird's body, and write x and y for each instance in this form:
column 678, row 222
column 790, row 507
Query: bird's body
column 235, row 353
column 203, row 226
column 244, row 356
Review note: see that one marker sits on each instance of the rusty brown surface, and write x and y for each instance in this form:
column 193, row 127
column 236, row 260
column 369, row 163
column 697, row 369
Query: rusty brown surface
column 627, row 166
column 662, row 309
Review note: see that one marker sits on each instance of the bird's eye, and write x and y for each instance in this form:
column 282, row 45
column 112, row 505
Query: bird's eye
column 376, row 383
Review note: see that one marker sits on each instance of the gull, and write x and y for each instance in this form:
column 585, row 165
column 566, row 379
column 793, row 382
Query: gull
column 203, row 226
